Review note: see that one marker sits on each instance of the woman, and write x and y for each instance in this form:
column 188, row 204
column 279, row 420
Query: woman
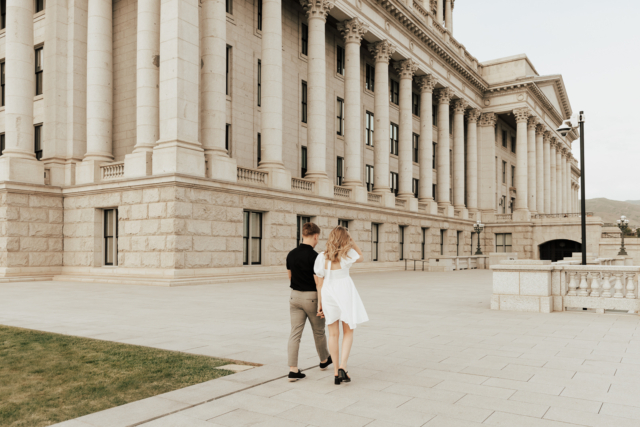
column 338, row 299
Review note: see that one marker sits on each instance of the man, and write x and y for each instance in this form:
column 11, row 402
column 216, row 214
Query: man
column 303, row 303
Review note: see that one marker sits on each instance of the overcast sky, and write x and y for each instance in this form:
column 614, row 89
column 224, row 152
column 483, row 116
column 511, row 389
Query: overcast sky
column 595, row 45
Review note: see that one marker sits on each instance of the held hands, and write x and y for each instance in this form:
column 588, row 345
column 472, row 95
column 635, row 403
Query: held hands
column 320, row 313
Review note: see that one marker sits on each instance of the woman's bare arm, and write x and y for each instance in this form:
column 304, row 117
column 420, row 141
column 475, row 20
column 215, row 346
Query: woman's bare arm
column 319, row 283
column 357, row 249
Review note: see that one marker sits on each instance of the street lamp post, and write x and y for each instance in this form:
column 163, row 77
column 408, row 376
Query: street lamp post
column 478, row 227
column 623, row 223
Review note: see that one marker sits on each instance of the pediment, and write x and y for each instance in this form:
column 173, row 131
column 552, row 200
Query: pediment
column 553, row 88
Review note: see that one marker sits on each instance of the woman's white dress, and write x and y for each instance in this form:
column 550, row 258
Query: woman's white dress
column 340, row 299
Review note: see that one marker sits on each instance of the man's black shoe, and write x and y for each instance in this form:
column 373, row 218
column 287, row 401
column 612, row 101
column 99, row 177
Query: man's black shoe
column 324, row 366
column 295, row 376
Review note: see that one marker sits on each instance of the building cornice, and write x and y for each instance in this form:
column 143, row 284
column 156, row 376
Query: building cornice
column 530, row 87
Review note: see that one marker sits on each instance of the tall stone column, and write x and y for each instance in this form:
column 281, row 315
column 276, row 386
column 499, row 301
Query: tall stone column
column 459, row 107
column 559, row 178
column 317, row 12
column 382, row 52
column 567, row 179
column 444, row 172
column 553, row 170
column 427, row 84
column 540, row 190
column 521, row 209
column 271, row 103
column 448, row 15
column 472, row 161
column 440, row 11
column 487, row 166
column 546, row 141
column 352, row 31
column 179, row 150
column 406, row 69
column 99, row 91
column 18, row 162
column 531, row 165
column 139, row 162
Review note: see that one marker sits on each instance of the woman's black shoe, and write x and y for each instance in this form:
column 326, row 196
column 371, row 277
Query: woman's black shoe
column 342, row 375
column 337, row 380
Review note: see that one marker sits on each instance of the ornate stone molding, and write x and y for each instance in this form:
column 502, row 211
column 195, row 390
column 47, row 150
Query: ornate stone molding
column 460, row 105
column 406, row 68
column 444, row 95
column 533, row 122
column 521, row 114
column 426, row 83
column 317, row 8
column 553, row 141
column 488, row 119
column 547, row 136
column 473, row 115
column 382, row 50
column 540, row 129
column 353, row 30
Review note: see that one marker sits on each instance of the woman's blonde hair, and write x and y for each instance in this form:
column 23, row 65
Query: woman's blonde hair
column 338, row 244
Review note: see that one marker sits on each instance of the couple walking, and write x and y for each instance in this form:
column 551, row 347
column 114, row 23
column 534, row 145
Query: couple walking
column 322, row 291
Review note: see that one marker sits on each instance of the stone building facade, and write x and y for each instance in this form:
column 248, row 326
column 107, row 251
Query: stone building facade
column 186, row 141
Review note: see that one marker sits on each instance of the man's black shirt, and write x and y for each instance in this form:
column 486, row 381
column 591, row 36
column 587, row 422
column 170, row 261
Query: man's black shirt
column 300, row 261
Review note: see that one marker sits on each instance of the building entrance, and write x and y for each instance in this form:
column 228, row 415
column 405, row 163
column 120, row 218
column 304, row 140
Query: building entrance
column 557, row 250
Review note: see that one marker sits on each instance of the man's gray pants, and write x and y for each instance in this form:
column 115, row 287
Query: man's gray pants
column 303, row 306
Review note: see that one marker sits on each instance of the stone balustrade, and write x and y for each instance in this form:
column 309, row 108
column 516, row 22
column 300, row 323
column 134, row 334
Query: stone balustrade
column 252, row 176
column 342, row 193
column 401, row 203
column 302, row 185
column 504, row 217
column 559, row 215
column 111, row 171
column 457, row 263
column 374, row 198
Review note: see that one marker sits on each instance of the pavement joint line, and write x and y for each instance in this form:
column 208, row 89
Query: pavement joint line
column 211, row 400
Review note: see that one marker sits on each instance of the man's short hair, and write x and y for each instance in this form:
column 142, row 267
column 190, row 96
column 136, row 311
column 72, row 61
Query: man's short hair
column 310, row 229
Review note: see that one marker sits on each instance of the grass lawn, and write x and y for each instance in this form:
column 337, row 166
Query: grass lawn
column 47, row 378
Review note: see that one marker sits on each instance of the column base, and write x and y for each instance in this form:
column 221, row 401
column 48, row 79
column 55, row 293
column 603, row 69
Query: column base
column 432, row 206
column 138, row 164
column 88, row 172
column 475, row 215
column 279, row 178
column 358, row 193
column 57, row 173
column 178, row 157
column 324, row 187
column 18, row 169
column 388, row 199
column 222, row 167
column 449, row 210
column 412, row 203
column 464, row 213
column 521, row 215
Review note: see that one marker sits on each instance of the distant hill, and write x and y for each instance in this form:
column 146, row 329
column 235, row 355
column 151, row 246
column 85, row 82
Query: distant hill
column 611, row 210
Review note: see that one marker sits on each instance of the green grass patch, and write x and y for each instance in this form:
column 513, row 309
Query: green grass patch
column 47, row 378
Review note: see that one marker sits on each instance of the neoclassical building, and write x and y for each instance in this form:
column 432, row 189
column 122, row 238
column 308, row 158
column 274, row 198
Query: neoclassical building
column 187, row 141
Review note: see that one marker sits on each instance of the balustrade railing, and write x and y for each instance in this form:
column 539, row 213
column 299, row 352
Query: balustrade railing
column 603, row 282
column 374, row 198
column 111, row 171
column 560, row 215
column 401, row 203
column 302, row 185
column 341, row 192
column 504, row 217
column 252, row 176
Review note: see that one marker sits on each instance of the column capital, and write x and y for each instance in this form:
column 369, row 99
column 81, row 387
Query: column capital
column 533, row 122
column 554, row 142
column 317, row 8
column 352, row 30
column 460, row 105
column 488, row 119
column 426, row 83
column 522, row 114
column 540, row 129
column 382, row 50
column 547, row 136
column 406, row 68
column 445, row 95
column 473, row 115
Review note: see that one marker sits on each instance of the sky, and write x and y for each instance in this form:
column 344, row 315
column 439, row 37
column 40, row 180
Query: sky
column 595, row 45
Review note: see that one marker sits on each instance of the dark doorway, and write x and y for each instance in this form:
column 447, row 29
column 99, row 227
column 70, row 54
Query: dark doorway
column 557, row 250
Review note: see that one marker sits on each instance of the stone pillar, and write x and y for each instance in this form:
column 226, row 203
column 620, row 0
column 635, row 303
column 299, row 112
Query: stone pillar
column 406, row 69
column 352, row 31
column 99, row 92
column 546, row 141
column 567, row 179
column 487, row 166
column 559, row 178
column 382, row 52
column 317, row 12
column 271, row 103
column 444, row 173
column 472, row 161
column 139, row 162
column 521, row 209
column 553, row 170
column 459, row 107
column 440, row 12
column 178, row 150
column 531, row 165
column 427, row 84
column 18, row 162
column 448, row 15
column 540, row 190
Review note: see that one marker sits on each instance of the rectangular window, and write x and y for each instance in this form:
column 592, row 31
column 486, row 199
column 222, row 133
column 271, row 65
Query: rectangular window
column 370, row 77
column 260, row 15
column 435, row 146
column 302, row 220
column 393, row 136
column 416, row 148
column 343, row 223
column 401, row 241
column 369, row 129
column 434, row 115
column 2, row 143
column 504, row 139
column 227, row 137
column 369, row 177
column 433, row 192
column 340, row 60
column 340, row 117
column 228, row 65
column 259, row 149
column 304, row 102
column 2, row 81
column 252, row 238
column 339, row 171
column 259, row 82
column 512, row 204
column 513, row 144
column 513, row 176
column 39, row 5
column 3, row 12
column 394, row 88
column 424, row 242
column 375, row 228
column 415, row 101
column 504, row 204
column 503, row 242
column 229, row 6
column 504, row 172
column 442, row 234
column 39, row 70
column 458, row 239
column 37, row 139
column 303, row 161
column 304, row 36
column 393, row 178
column 110, row 237
column 416, row 185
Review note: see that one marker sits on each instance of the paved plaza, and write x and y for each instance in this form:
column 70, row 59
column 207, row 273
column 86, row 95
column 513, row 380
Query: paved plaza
column 432, row 355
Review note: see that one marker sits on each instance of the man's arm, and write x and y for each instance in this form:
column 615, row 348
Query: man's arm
column 289, row 271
